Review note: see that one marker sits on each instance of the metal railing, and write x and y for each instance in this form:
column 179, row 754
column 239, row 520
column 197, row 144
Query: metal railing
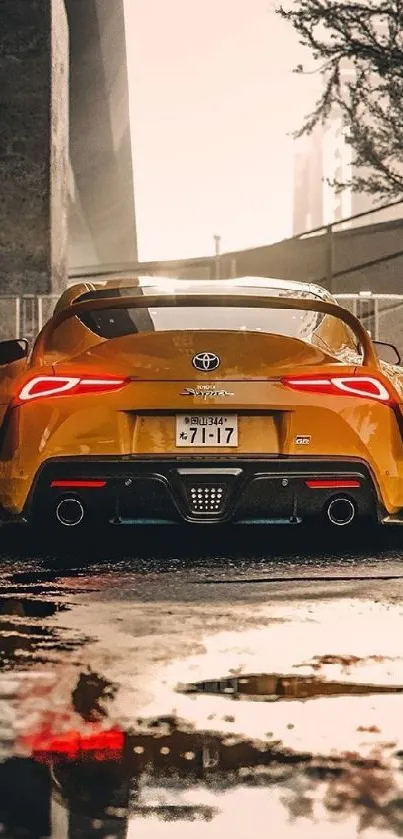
column 23, row 316
column 382, row 314
column 329, row 230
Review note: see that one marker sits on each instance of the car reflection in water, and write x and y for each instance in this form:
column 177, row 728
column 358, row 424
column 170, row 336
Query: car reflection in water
column 75, row 775
column 110, row 784
column 93, row 784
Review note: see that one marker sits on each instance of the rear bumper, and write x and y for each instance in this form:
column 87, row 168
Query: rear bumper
column 203, row 491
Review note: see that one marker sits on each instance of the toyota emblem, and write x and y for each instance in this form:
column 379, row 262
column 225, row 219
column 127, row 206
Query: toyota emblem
column 206, row 361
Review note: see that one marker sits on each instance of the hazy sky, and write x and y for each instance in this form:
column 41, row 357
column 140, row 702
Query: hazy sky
column 212, row 99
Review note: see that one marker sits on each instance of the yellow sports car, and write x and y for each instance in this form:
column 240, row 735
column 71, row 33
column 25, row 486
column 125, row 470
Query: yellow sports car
column 149, row 400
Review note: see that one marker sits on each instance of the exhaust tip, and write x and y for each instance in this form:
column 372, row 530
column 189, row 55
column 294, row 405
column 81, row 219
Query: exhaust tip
column 341, row 512
column 70, row 512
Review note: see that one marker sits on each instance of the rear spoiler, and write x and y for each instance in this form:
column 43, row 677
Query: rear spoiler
column 370, row 358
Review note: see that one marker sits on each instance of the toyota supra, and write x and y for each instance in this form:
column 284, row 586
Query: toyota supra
column 158, row 401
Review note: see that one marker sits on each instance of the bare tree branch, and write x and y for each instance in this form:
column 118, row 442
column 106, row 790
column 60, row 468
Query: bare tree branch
column 366, row 38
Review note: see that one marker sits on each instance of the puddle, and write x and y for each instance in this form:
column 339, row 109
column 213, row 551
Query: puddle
column 270, row 687
column 24, row 641
column 25, row 607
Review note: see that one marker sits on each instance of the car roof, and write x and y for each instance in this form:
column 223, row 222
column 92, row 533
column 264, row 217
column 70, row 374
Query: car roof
column 169, row 285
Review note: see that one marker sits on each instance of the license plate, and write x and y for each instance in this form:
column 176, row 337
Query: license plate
column 218, row 430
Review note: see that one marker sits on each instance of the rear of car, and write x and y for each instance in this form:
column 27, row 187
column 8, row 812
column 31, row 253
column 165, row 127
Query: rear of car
column 212, row 404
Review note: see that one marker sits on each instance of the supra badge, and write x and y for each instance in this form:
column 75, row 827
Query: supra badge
column 204, row 392
column 206, row 361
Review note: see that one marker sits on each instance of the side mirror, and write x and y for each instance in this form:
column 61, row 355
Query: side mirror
column 387, row 352
column 13, row 350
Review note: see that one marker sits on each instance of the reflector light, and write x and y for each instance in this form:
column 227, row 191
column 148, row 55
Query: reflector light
column 322, row 484
column 368, row 387
column 79, row 484
column 42, row 386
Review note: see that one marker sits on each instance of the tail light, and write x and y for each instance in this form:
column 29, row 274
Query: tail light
column 41, row 386
column 368, row 387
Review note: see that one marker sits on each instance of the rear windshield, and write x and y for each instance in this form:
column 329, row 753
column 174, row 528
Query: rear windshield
column 308, row 326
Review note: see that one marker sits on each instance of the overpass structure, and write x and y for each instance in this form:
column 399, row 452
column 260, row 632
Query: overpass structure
column 353, row 255
column 66, row 175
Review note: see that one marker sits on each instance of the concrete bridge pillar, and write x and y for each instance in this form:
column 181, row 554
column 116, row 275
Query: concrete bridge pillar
column 102, row 227
column 66, row 183
column 33, row 145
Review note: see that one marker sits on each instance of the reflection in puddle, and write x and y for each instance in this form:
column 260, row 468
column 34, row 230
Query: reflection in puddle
column 109, row 784
column 80, row 776
column 24, row 640
column 91, row 695
column 270, row 686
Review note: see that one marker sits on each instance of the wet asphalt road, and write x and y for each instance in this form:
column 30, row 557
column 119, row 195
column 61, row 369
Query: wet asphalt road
column 151, row 636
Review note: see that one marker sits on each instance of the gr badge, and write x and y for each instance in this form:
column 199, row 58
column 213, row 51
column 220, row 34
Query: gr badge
column 302, row 440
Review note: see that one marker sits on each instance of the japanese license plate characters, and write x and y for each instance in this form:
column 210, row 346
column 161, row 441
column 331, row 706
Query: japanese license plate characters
column 217, row 430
